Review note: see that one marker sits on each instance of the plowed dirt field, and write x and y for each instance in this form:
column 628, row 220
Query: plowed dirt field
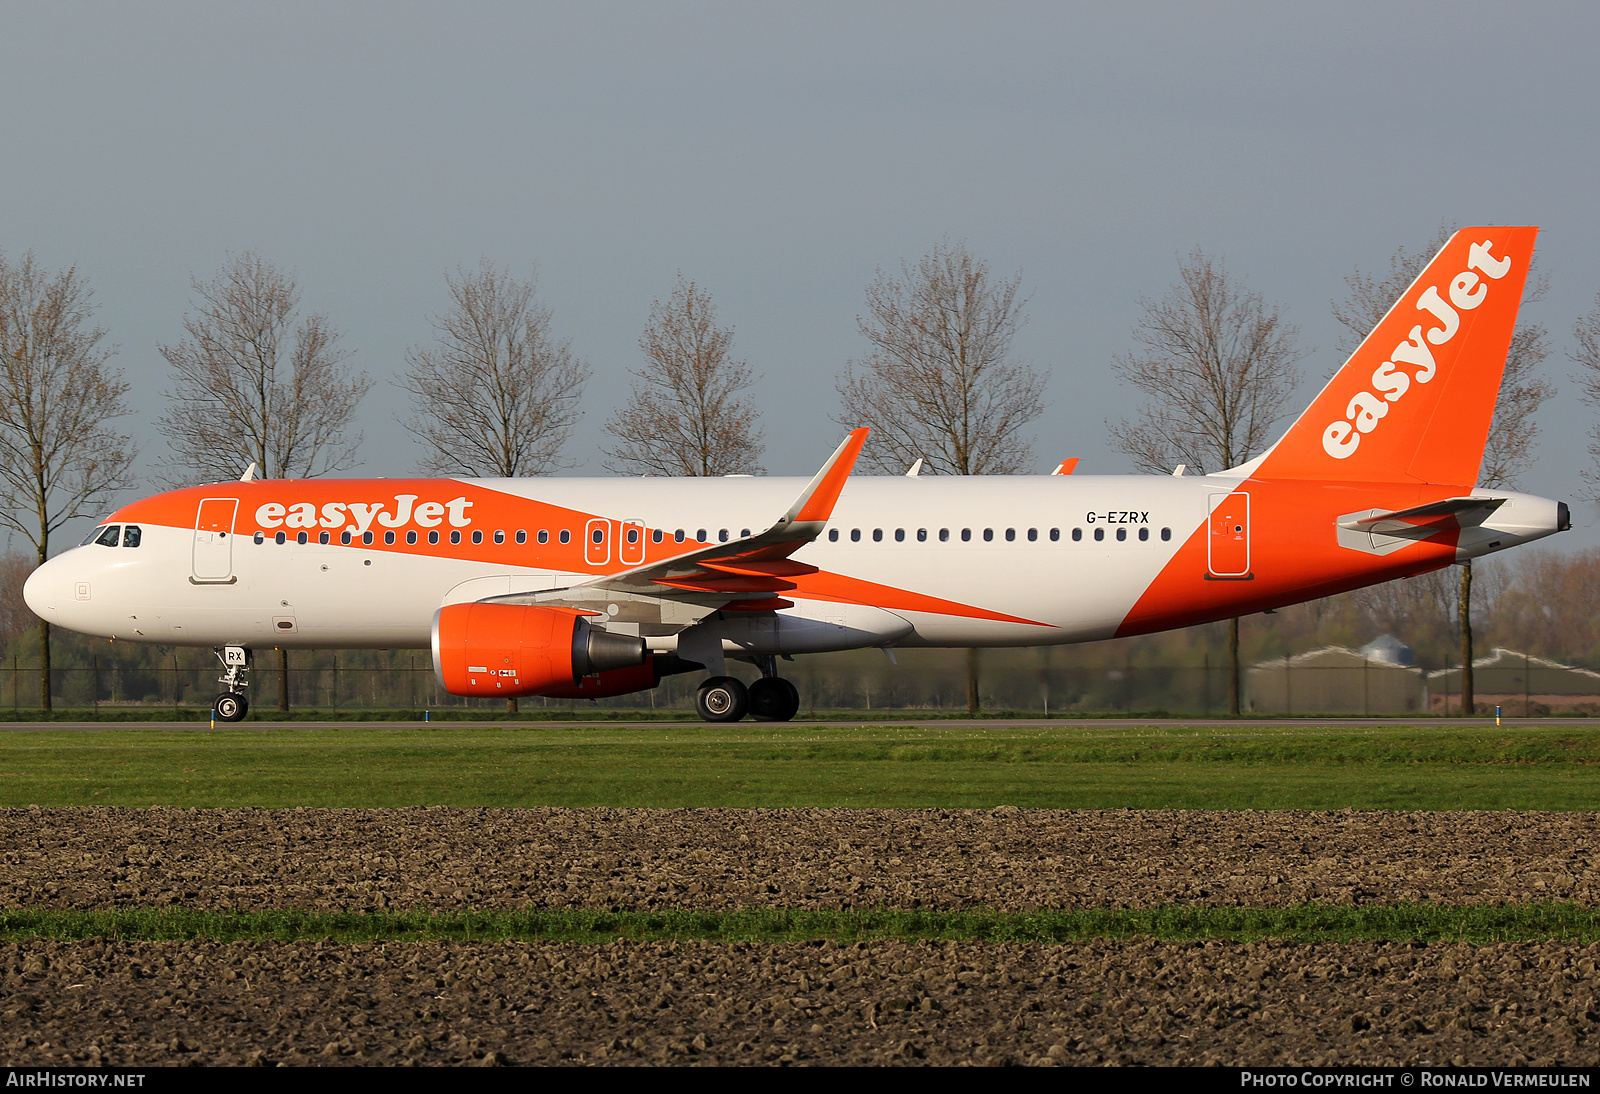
column 150, row 1002
column 1007, row 858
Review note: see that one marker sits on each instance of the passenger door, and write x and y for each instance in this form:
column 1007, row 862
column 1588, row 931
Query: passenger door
column 213, row 541
column 1228, row 545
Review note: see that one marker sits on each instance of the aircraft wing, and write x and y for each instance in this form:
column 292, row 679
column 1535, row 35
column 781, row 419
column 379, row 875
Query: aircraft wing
column 1422, row 521
column 748, row 572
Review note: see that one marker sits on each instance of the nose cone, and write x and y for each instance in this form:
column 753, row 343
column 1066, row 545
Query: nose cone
column 41, row 592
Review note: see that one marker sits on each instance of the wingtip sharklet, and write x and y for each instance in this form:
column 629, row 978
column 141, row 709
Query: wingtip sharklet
column 816, row 503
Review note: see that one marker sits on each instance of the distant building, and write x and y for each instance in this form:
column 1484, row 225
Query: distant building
column 1519, row 683
column 1376, row 679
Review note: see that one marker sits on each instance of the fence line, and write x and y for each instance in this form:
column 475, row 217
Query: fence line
column 329, row 680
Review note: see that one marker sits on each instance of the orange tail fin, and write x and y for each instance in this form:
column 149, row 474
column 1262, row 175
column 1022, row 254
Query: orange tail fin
column 1414, row 402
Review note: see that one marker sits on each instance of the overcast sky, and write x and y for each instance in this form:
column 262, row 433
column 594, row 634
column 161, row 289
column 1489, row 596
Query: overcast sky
column 780, row 154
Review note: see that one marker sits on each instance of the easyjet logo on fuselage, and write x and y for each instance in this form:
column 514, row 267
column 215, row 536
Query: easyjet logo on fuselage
column 335, row 515
column 1390, row 380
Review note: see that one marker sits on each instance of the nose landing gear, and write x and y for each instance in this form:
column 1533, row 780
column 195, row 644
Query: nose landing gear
column 232, row 705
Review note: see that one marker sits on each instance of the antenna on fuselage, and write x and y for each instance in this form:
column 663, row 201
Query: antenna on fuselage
column 916, row 469
column 249, row 473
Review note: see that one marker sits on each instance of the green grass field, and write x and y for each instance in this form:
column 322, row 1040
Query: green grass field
column 935, row 765
column 1302, row 923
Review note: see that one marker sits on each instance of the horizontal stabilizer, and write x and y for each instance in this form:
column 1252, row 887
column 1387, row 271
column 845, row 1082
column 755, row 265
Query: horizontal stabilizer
column 1422, row 521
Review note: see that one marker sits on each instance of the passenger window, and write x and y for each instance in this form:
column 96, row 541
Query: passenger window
column 657, row 535
column 455, row 537
column 283, row 538
column 966, row 534
column 1055, row 535
column 722, row 536
column 1033, row 534
column 411, row 537
column 701, row 536
column 1144, row 534
column 344, row 538
column 599, row 536
column 1122, row 534
column 477, row 537
column 679, row 536
column 522, row 535
column 566, row 536
column 1166, row 534
column 855, row 535
column 988, row 535
column 366, row 538
column 899, row 535
column 260, row 538
column 301, row 537
column 922, row 535
column 633, row 535
column 1099, row 534
column 877, row 535
column 131, row 535
column 324, row 538
column 944, row 535
column 111, row 536
column 388, row 537
column 499, row 535
column 1011, row 534
column 433, row 536
column 1077, row 534
column 833, row 535
column 744, row 533
column 544, row 535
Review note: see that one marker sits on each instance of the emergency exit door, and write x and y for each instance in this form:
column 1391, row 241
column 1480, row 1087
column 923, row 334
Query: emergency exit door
column 1228, row 545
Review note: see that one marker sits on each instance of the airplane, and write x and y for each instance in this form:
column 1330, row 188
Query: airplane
column 573, row 587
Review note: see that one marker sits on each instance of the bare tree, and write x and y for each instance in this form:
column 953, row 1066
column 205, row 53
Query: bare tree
column 940, row 384
column 1514, row 430
column 496, row 394
column 59, row 457
column 1587, row 357
column 252, row 384
column 1216, row 365
column 688, row 412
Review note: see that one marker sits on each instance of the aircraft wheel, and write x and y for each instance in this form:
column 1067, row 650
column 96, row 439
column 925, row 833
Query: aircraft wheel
column 722, row 699
column 773, row 699
column 230, row 707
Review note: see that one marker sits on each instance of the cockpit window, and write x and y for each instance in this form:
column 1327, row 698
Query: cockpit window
column 131, row 535
column 110, row 536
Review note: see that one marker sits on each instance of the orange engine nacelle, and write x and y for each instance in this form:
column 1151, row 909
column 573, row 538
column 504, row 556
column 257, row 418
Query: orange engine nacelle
column 616, row 682
column 508, row 650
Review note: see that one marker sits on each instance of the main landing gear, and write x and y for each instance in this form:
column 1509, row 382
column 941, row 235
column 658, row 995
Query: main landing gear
column 231, row 705
column 769, row 699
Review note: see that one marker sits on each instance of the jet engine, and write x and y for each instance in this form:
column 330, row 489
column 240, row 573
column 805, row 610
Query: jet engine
column 509, row 650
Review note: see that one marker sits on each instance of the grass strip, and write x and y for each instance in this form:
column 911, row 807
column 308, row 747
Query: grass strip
column 759, row 765
column 1311, row 922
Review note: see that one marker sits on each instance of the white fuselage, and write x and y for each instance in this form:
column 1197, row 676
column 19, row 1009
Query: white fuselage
column 954, row 562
